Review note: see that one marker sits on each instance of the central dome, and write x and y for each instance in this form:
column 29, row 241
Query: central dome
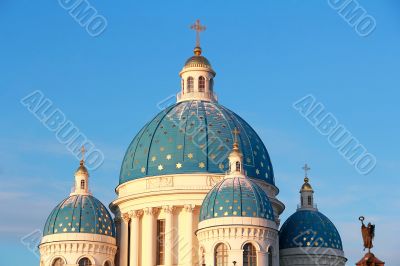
column 194, row 137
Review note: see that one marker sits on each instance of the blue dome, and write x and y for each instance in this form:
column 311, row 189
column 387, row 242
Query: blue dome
column 309, row 228
column 237, row 196
column 194, row 137
column 80, row 214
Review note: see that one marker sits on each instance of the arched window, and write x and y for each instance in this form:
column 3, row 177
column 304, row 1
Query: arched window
column 58, row 262
column 270, row 256
column 309, row 200
column 221, row 255
column 190, row 84
column 82, row 184
column 202, row 84
column 84, row 262
column 249, row 255
column 237, row 166
column 107, row 263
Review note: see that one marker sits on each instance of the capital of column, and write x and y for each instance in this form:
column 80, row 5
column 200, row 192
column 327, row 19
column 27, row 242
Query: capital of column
column 150, row 211
column 168, row 209
column 125, row 217
column 189, row 207
column 135, row 214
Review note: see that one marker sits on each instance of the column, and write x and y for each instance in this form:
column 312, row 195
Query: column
column 123, row 247
column 169, row 235
column 135, row 234
column 149, row 237
column 189, row 234
column 262, row 258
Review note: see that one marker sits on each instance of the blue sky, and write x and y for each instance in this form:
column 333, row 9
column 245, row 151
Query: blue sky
column 267, row 55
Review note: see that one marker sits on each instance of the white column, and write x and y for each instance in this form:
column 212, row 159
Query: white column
column 149, row 249
column 262, row 258
column 134, row 238
column 123, row 247
column 189, row 234
column 169, row 235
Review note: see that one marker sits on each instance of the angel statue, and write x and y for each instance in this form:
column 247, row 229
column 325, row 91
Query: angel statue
column 368, row 233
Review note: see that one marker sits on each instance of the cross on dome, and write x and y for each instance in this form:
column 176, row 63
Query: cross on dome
column 83, row 150
column 198, row 28
column 306, row 168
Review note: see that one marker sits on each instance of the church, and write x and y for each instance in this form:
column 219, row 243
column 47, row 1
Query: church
column 196, row 187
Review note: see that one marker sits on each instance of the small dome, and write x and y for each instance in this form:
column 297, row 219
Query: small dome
column 194, row 137
column 239, row 197
column 306, row 186
column 309, row 228
column 80, row 214
column 82, row 169
column 197, row 61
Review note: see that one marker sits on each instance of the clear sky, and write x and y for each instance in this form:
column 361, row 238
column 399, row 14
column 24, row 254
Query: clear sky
column 267, row 55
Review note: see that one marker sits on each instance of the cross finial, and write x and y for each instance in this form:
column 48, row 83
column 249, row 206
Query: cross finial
column 236, row 133
column 198, row 28
column 306, row 168
column 83, row 150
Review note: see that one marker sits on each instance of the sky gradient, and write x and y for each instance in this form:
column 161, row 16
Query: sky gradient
column 267, row 55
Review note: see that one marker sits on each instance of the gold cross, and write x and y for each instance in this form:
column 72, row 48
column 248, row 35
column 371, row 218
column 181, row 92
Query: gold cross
column 198, row 28
column 83, row 150
column 236, row 132
column 306, row 169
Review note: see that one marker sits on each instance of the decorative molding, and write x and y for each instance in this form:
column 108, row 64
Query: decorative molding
column 213, row 180
column 159, row 182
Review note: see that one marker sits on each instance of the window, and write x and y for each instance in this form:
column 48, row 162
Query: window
column 211, row 85
column 84, row 262
column 160, row 242
column 58, row 262
column 107, row 263
column 221, row 255
column 237, row 166
column 309, row 200
column 82, row 184
column 202, row 84
column 270, row 256
column 249, row 255
column 190, row 84
column 302, row 201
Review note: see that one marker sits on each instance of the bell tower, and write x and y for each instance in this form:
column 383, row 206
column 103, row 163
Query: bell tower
column 197, row 76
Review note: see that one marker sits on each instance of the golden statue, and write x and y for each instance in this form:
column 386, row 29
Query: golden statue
column 368, row 233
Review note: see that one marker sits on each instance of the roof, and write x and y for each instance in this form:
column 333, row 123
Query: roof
column 309, row 228
column 80, row 214
column 236, row 197
column 194, row 137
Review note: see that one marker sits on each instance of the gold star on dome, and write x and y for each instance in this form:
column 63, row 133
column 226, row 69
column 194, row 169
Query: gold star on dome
column 179, row 147
column 143, row 169
column 221, row 166
column 168, row 157
column 202, row 165
column 190, row 156
column 160, row 167
column 257, row 171
column 179, row 165
column 162, row 148
column 154, row 158
column 212, row 156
